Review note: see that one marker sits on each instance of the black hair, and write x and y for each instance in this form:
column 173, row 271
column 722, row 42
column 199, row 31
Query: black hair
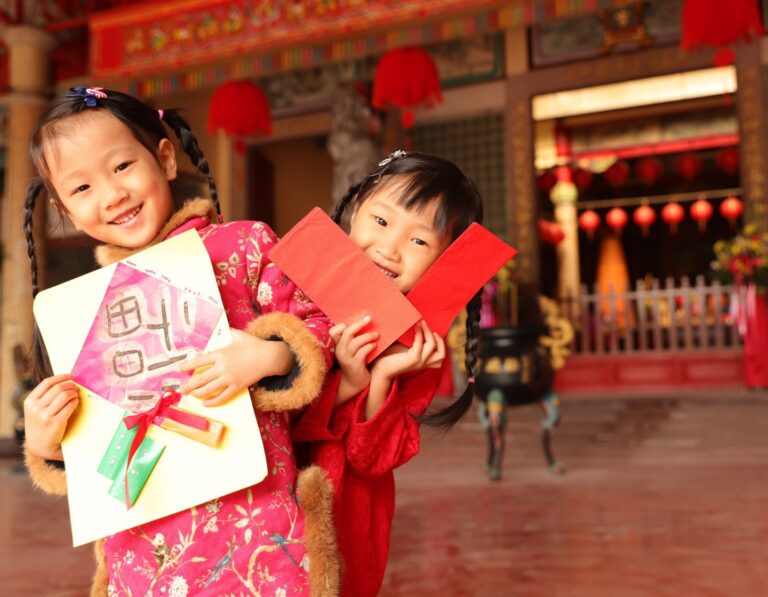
column 430, row 178
column 145, row 124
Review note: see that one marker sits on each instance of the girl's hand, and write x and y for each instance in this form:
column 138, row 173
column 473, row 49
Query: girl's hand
column 224, row 372
column 427, row 351
column 47, row 409
column 352, row 348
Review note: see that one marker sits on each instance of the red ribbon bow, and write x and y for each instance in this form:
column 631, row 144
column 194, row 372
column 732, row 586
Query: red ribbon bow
column 146, row 418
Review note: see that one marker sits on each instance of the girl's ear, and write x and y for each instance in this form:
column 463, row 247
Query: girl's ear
column 166, row 154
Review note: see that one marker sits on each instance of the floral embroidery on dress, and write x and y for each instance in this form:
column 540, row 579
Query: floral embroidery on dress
column 264, row 294
column 250, row 542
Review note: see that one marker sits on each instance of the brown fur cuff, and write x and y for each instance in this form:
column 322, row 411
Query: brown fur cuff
column 307, row 378
column 48, row 478
column 99, row 587
column 316, row 498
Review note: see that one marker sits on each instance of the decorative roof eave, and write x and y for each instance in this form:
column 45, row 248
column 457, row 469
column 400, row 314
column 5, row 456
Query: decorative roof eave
column 185, row 44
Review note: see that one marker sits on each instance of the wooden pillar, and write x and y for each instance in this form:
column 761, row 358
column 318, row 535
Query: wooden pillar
column 223, row 176
column 752, row 113
column 522, row 210
column 564, row 196
column 28, row 51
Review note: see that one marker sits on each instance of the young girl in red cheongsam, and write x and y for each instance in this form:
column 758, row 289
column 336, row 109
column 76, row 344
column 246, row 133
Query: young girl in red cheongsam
column 403, row 215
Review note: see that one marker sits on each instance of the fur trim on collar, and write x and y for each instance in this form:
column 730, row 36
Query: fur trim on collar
column 109, row 254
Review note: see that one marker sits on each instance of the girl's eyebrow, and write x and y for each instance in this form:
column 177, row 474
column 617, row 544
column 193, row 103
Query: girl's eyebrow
column 77, row 172
column 380, row 204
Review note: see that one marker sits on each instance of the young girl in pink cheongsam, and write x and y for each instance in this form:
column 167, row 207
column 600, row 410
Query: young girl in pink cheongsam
column 104, row 159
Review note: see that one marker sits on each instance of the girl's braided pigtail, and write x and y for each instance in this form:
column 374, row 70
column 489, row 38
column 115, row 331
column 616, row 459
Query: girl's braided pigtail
column 192, row 149
column 41, row 365
column 341, row 206
column 450, row 415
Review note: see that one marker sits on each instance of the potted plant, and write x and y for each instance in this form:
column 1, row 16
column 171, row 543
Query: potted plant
column 743, row 262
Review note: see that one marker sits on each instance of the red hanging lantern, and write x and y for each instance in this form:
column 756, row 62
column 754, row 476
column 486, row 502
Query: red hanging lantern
column 728, row 160
column 649, row 170
column 616, row 218
column 406, row 78
column 701, row 212
column 719, row 24
column 582, row 178
column 731, row 209
column 617, row 173
column 673, row 214
column 589, row 222
column 644, row 216
column 239, row 108
column 550, row 232
column 688, row 166
column 546, row 180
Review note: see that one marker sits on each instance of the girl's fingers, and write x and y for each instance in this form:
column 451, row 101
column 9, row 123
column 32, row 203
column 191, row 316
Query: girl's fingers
column 210, row 389
column 200, row 360
column 66, row 388
column 363, row 339
column 66, row 411
column 42, row 388
column 221, row 397
column 425, row 328
column 61, row 401
column 439, row 345
column 366, row 350
column 336, row 331
column 418, row 344
column 354, row 327
column 199, row 380
column 429, row 346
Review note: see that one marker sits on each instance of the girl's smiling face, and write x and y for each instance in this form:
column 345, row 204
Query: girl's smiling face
column 113, row 188
column 402, row 243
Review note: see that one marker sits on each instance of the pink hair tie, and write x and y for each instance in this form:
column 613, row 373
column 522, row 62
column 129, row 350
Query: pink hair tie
column 160, row 113
column 471, row 380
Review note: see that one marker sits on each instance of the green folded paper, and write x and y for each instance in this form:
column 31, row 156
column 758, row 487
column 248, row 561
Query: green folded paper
column 115, row 458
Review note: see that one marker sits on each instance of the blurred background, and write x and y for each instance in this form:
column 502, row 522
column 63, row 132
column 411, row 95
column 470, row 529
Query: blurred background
column 620, row 145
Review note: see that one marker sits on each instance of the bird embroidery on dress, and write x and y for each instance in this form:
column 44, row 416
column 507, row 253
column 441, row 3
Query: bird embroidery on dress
column 280, row 540
column 221, row 563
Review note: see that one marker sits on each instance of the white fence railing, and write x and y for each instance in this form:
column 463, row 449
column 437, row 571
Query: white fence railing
column 652, row 318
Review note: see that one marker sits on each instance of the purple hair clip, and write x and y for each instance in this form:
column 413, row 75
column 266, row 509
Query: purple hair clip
column 87, row 94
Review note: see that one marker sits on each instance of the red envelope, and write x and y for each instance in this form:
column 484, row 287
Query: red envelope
column 321, row 260
column 463, row 268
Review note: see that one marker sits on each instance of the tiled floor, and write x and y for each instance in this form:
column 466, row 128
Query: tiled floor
column 663, row 496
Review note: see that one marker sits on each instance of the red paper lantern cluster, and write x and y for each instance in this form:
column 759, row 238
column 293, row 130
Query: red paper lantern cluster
column 688, row 166
column 617, row 173
column 239, row 108
column 589, row 222
column 731, row 209
column 719, row 24
column 649, row 170
column 616, row 219
column 546, row 180
column 701, row 212
column 644, row 216
column 672, row 214
column 550, row 232
column 582, row 178
column 406, row 78
column 728, row 160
